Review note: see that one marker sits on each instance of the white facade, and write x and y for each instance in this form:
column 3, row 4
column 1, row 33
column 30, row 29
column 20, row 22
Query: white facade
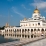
column 31, row 27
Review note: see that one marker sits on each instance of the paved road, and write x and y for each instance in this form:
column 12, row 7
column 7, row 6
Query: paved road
column 37, row 43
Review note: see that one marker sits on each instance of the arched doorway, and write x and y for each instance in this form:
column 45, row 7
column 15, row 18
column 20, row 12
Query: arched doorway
column 32, row 36
column 34, row 29
column 38, row 32
column 42, row 32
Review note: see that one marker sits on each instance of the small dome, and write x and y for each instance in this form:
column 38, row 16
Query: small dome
column 7, row 25
column 36, row 10
column 25, row 18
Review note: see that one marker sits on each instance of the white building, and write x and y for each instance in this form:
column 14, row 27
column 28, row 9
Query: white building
column 29, row 28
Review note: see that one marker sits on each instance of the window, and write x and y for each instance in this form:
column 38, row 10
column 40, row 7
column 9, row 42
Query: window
column 17, row 30
column 9, row 30
column 11, row 34
column 17, row 35
column 28, row 30
column 38, row 29
column 31, row 30
column 33, row 24
column 7, row 34
column 42, row 30
column 34, row 19
column 22, row 30
column 34, row 29
column 13, row 29
column 25, row 30
column 5, row 30
column 25, row 36
column 45, row 29
column 38, row 23
column 22, row 35
column 32, row 36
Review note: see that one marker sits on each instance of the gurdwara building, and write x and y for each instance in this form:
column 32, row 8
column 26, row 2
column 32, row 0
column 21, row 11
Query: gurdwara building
column 29, row 28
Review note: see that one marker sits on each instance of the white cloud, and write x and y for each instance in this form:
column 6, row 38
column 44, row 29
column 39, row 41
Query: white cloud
column 39, row 3
column 25, row 7
column 15, row 11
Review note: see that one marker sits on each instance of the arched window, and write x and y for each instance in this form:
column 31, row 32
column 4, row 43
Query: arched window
column 42, row 30
column 7, row 30
column 32, row 36
column 22, row 30
column 28, row 29
column 38, row 29
column 15, row 35
column 34, row 29
column 45, row 29
column 25, row 36
column 22, row 35
column 38, row 23
column 13, row 29
column 25, row 30
column 11, row 34
column 31, row 30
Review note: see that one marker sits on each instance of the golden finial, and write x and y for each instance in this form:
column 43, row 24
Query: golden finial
column 36, row 10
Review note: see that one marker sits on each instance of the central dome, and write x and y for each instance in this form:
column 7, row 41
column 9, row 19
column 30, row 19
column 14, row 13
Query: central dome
column 36, row 10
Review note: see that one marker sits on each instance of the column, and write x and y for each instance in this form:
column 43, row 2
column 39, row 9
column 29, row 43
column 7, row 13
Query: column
column 21, row 33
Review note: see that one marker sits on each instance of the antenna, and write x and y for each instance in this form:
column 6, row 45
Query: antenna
column 36, row 7
column 8, row 17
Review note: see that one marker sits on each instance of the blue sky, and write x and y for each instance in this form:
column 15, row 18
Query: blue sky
column 12, row 11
